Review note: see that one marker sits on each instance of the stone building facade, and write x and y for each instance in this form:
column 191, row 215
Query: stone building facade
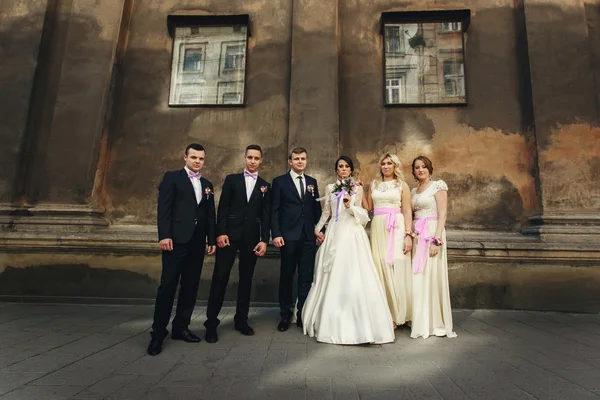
column 88, row 126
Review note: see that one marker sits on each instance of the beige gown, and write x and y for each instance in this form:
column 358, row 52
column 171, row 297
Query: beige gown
column 432, row 313
column 396, row 278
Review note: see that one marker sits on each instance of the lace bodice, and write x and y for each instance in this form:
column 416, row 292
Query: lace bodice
column 386, row 194
column 330, row 207
column 424, row 204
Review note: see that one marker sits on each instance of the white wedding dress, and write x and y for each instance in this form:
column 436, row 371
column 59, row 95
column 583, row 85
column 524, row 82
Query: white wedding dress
column 346, row 303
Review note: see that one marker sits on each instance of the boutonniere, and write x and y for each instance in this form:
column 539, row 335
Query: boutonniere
column 311, row 189
column 263, row 190
column 208, row 191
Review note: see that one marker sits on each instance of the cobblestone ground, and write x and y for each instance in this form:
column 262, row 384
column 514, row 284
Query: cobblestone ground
column 99, row 352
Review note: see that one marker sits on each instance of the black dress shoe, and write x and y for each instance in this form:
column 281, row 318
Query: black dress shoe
column 245, row 330
column 283, row 326
column 155, row 347
column 186, row 335
column 211, row 336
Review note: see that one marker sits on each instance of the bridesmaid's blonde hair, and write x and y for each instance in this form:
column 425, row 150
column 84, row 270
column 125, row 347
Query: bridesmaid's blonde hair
column 397, row 171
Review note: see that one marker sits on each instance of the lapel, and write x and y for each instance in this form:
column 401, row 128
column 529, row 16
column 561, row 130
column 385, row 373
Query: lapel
column 203, row 186
column 189, row 185
column 293, row 184
column 260, row 182
column 306, row 184
column 256, row 191
column 242, row 183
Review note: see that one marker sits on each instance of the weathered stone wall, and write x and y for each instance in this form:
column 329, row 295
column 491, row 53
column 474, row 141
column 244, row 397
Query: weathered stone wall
column 474, row 282
column 565, row 99
column 21, row 27
column 485, row 151
column 56, row 115
column 149, row 136
column 87, row 134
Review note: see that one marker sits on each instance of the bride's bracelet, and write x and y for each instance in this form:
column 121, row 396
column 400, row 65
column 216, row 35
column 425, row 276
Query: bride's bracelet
column 437, row 241
column 410, row 233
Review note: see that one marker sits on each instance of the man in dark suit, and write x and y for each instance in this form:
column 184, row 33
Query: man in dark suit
column 186, row 229
column 242, row 226
column 295, row 212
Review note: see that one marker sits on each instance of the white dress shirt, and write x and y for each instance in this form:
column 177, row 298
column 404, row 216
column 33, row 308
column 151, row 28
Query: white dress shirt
column 297, row 182
column 197, row 185
column 250, row 183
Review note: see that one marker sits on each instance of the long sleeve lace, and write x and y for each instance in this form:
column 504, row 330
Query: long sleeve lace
column 360, row 214
column 326, row 208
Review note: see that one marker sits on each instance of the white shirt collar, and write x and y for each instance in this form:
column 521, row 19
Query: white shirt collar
column 295, row 175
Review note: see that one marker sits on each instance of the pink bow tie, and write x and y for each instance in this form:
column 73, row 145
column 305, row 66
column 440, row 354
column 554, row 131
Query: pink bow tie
column 196, row 175
column 253, row 175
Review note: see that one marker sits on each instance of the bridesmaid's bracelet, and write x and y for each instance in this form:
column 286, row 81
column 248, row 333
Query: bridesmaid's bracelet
column 410, row 233
column 437, row 241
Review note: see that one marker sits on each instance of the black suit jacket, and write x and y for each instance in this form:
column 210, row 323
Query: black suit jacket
column 292, row 214
column 179, row 215
column 239, row 218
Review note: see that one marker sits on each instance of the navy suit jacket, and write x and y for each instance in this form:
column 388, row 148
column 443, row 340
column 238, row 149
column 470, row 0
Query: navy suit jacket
column 292, row 214
column 179, row 214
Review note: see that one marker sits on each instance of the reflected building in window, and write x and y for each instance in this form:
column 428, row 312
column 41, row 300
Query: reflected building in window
column 424, row 63
column 208, row 65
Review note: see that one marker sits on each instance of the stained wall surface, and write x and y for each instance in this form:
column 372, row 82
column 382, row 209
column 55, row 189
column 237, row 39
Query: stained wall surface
column 87, row 134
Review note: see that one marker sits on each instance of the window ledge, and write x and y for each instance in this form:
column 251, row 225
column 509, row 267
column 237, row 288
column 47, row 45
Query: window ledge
column 192, row 17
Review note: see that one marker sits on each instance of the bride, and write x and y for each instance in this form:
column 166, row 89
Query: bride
column 346, row 303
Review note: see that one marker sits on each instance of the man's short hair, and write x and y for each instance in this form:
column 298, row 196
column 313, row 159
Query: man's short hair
column 254, row 147
column 194, row 146
column 297, row 150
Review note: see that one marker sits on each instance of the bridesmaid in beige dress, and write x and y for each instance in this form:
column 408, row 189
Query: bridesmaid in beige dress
column 432, row 314
column 391, row 235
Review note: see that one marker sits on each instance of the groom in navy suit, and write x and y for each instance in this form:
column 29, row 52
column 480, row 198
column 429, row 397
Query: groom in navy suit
column 295, row 212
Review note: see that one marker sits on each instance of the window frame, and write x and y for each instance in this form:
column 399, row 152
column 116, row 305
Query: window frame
column 401, row 78
column 456, row 74
column 195, row 20
column 462, row 16
column 401, row 45
column 229, row 93
column 184, row 50
column 222, row 90
column 451, row 30
column 223, row 62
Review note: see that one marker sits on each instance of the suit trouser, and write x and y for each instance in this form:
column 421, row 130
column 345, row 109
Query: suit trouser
column 223, row 264
column 300, row 253
column 183, row 263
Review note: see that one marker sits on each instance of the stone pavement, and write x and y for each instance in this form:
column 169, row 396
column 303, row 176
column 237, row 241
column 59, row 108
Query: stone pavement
column 99, row 352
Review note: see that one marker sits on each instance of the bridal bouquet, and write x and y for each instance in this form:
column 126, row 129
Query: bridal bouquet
column 340, row 188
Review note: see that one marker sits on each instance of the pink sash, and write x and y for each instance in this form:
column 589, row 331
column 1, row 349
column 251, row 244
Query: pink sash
column 391, row 224
column 422, row 253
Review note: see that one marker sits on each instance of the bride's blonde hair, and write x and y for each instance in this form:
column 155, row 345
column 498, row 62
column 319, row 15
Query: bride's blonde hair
column 397, row 170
